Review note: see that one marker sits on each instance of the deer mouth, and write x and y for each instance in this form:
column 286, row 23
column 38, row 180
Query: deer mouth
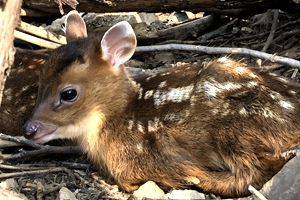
column 38, row 131
column 41, row 139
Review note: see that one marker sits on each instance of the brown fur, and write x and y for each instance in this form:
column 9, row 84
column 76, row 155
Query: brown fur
column 226, row 132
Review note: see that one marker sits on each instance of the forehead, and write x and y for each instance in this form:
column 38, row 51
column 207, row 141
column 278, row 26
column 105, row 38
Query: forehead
column 64, row 56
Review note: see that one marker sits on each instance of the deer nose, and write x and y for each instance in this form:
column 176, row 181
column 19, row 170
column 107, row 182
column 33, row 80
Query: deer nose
column 30, row 129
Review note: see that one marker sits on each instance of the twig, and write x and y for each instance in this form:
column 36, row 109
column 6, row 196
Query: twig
column 76, row 165
column 41, row 32
column 256, row 193
column 9, row 167
column 271, row 35
column 35, row 40
column 69, row 165
column 46, row 150
column 41, row 150
column 204, row 21
column 294, row 74
column 34, row 172
column 21, row 140
column 222, row 50
column 286, row 34
column 53, row 189
column 98, row 196
column 218, row 31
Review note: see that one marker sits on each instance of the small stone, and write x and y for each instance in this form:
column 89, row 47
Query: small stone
column 185, row 194
column 8, row 190
column 149, row 190
column 9, row 184
column 165, row 58
column 65, row 193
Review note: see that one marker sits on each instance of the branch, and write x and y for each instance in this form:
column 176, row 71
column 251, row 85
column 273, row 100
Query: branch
column 271, row 35
column 222, row 50
column 46, row 150
column 34, row 172
column 256, row 193
column 21, row 140
column 41, row 32
column 41, row 150
column 35, row 40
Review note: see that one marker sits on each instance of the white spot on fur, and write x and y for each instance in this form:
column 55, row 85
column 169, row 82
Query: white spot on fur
column 140, row 126
column 24, row 88
column 225, row 113
column 140, row 93
column 154, row 125
column 140, row 147
column 130, row 125
column 252, row 84
column 252, row 75
column 212, row 88
column 148, row 94
column 275, row 95
column 224, row 60
column 8, row 91
column 193, row 100
column 243, row 111
column 267, row 113
column 225, row 109
column 162, row 84
column 293, row 92
column 286, row 104
column 22, row 109
column 175, row 95
column 230, row 86
column 240, row 70
column 286, row 153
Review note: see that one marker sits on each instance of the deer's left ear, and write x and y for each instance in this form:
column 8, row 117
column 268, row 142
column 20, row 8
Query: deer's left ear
column 118, row 44
column 75, row 27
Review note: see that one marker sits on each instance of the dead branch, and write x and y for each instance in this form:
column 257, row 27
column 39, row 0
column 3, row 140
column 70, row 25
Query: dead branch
column 34, row 172
column 53, row 189
column 256, row 193
column 21, row 140
column 46, row 150
column 218, row 31
column 35, row 40
column 222, row 50
column 41, row 32
column 23, row 168
column 28, row 167
column 201, row 24
column 41, row 150
column 271, row 35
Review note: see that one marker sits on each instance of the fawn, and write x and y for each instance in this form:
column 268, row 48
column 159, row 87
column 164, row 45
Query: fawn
column 220, row 127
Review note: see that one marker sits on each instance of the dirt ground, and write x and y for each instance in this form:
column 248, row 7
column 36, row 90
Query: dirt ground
column 42, row 177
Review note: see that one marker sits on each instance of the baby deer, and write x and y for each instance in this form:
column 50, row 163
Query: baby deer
column 220, row 128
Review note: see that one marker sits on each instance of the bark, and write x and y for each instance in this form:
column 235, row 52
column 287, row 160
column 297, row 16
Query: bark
column 9, row 14
column 235, row 7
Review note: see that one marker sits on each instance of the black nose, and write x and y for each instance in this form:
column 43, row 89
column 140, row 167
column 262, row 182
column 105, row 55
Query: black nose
column 29, row 130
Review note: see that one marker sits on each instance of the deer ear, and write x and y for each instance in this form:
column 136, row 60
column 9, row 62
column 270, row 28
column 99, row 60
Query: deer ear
column 75, row 27
column 118, row 44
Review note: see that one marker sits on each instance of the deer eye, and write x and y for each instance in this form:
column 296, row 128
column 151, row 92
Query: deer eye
column 69, row 95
